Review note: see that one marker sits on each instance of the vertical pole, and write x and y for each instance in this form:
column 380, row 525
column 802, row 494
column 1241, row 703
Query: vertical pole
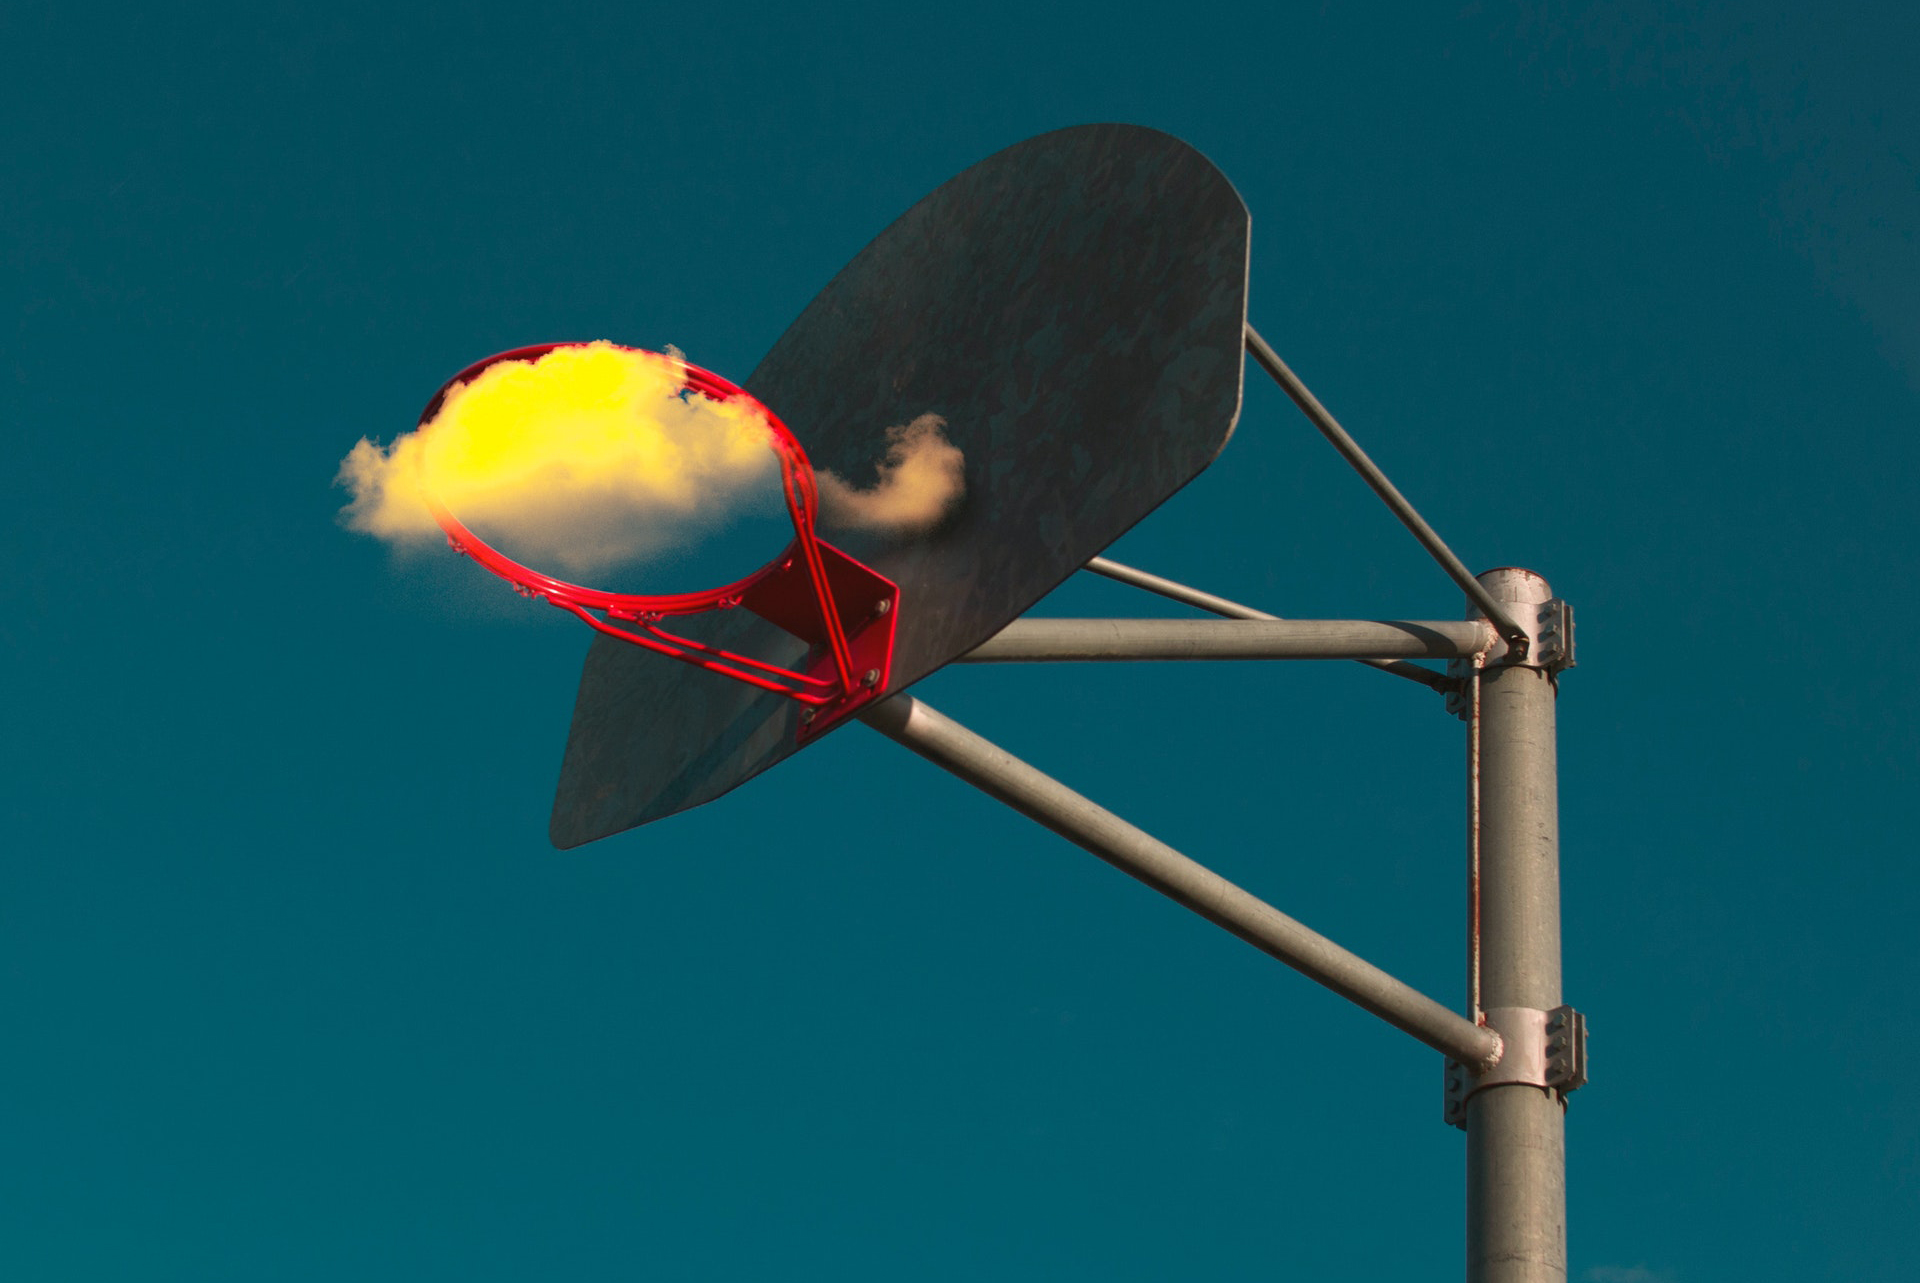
column 1516, row 1141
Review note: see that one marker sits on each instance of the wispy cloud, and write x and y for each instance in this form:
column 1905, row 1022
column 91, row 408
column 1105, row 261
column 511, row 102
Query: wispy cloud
column 1627, row 1274
column 921, row 478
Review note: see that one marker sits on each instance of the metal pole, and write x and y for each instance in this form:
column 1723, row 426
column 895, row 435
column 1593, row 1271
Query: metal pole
column 1106, row 640
column 1390, row 495
column 1175, row 591
column 1516, row 1144
column 1172, row 589
column 999, row 774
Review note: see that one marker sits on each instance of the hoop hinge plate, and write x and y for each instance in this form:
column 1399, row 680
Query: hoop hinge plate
column 865, row 602
column 1545, row 1049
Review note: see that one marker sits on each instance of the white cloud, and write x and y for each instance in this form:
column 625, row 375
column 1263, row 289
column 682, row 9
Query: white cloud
column 1627, row 1274
column 921, row 478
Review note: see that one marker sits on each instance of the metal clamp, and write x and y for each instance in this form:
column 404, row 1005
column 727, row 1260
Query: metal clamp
column 1549, row 628
column 1544, row 1049
column 1553, row 649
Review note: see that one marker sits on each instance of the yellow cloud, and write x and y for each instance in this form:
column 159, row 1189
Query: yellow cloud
column 585, row 458
column 594, row 456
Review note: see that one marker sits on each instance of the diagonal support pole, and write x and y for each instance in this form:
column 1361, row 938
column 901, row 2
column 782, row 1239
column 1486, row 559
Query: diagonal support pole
column 1483, row 601
column 999, row 774
column 1176, row 591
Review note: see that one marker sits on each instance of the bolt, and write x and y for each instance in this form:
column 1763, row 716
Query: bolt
column 883, row 607
column 807, row 714
column 871, row 677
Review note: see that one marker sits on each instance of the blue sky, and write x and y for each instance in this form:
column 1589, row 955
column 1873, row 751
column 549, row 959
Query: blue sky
column 293, row 987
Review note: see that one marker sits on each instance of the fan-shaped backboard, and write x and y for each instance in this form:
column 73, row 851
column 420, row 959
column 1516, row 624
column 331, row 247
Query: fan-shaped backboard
column 1074, row 308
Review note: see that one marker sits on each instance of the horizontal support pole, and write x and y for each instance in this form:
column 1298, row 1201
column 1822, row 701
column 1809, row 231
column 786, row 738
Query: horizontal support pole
column 1176, row 591
column 1039, row 797
column 1067, row 640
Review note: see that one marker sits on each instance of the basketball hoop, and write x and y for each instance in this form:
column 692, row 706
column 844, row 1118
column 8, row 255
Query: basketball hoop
column 844, row 611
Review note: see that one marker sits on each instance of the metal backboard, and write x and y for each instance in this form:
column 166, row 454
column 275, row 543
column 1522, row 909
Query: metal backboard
column 1074, row 307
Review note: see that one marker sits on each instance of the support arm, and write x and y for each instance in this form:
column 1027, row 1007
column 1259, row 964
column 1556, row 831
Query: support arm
column 1175, row 591
column 1390, row 495
column 994, row 771
column 1059, row 640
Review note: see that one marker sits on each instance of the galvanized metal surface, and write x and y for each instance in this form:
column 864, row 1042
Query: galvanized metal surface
column 1065, row 640
column 1138, row 854
column 1516, row 1187
column 1516, row 1147
column 1075, row 309
column 1549, row 629
column 1180, row 592
column 1523, row 1060
column 1546, row 1049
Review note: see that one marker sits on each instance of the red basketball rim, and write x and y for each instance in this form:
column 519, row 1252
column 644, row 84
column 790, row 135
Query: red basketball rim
column 796, row 477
